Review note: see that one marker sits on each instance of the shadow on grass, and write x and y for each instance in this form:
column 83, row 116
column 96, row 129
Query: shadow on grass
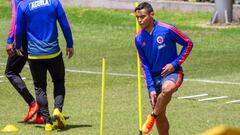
column 32, row 122
column 68, row 127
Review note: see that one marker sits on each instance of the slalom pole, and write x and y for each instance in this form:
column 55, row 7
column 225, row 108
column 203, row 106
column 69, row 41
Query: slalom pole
column 102, row 99
column 139, row 85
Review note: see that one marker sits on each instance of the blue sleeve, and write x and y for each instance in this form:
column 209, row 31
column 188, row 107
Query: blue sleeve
column 20, row 27
column 62, row 19
column 10, row 40
column 145, row 68
column 186, row 43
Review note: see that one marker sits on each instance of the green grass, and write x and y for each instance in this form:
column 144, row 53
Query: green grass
column 109, row 33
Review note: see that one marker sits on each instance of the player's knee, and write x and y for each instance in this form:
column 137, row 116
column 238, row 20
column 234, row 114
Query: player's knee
column 167, row 91
column 168, row 88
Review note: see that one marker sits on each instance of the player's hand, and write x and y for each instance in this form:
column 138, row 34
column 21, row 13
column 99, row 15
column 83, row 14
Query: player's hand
column 153, row 96
column 9, row 49
column 167, row 70
column 19, row 52
column 69, row 52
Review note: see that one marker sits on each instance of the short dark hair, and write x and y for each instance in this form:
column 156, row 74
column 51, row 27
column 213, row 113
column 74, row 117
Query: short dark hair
column 144, row 5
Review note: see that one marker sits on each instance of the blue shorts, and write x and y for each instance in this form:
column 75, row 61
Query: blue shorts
column 176, row 77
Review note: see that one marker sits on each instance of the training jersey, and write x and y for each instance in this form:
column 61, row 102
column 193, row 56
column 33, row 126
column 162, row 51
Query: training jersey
column 38, row 18
column 10, row 39
column 158, row 49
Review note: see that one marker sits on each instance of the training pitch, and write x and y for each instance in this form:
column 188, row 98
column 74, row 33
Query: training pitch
column 109, row 33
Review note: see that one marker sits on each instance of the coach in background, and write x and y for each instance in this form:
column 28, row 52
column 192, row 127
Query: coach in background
column 156, row 46
column 38, row 18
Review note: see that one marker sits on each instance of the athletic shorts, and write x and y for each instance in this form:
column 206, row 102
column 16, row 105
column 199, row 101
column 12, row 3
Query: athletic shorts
column 176, row 77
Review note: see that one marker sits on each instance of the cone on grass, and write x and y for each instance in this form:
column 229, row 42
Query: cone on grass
column 10, row 128
column 222, row 130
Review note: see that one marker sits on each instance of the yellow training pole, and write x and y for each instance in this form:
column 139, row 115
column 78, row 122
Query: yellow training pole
column 139, row 85
column 102, row 100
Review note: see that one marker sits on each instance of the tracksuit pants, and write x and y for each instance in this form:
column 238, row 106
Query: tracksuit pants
column 14, row 66
column 39, row 68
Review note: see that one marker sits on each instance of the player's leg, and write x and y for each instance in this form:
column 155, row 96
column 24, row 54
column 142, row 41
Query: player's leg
column 39, row 75
column 162, row 124
column 58, row 73
column 164, row 87
column 163, row 99
column 169, row 86
column 14, row 66
column 148, row 125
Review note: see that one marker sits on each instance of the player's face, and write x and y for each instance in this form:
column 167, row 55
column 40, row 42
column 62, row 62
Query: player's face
column 144, row 18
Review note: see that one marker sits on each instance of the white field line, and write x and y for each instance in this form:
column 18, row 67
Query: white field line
column 233, row 101
column 213, row 98
column 24, row 78
column 212, row 81
column 99, row 73
column 1, row 77
column 193, row 96
column 134, row 75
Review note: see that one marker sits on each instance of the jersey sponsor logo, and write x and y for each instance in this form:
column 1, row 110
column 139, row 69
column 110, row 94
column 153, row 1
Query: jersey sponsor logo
column 160, row 39
column 38, row 4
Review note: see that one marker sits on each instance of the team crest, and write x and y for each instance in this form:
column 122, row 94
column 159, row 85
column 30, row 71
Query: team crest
column 160, row 39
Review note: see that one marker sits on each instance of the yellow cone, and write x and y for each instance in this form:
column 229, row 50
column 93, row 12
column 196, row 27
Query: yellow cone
column 222, row 130
column 10, row 128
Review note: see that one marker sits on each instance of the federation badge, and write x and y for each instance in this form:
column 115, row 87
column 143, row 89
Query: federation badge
column 160, row 39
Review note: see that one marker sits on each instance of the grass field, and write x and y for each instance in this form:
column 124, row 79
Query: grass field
column 108, row 33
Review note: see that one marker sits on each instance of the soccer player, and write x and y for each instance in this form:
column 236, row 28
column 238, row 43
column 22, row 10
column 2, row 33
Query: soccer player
column 156, row 45
column 38, row 18
column 15, row 65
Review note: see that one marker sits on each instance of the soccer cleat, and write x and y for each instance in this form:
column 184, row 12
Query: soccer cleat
column 33, row 109
column 39, row 119
column 49, row 127
column 61, row 122
column 148, row 125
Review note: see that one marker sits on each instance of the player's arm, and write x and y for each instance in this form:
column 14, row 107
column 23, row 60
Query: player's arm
column 62, row 19
column 145, row 68
column 20, row 29
column 184, row 41
column 10, row 39
column 147, row 74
